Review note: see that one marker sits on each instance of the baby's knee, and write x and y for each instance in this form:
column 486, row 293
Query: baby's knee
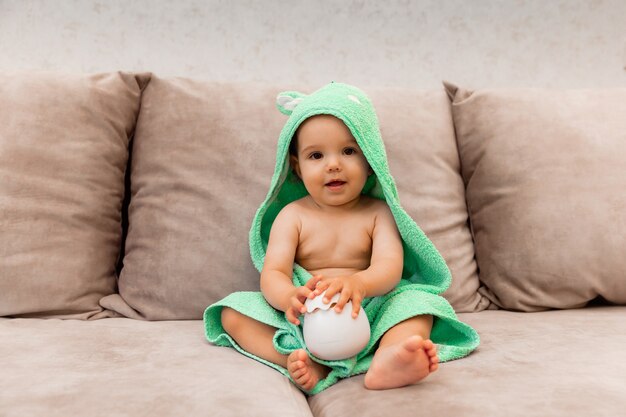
column 231, row 319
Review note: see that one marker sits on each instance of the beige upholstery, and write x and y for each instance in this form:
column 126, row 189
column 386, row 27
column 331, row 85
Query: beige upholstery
column 203, row 156
column 419, row 137
column 199, row 170
column 542, row 172
column 555, row 363
column 63, row 155
column 545, row 177
column 125, row 367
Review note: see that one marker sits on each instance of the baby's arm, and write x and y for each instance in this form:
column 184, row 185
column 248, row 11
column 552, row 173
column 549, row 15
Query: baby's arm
column 276, row 282
column 384, row 272
column 387, row 262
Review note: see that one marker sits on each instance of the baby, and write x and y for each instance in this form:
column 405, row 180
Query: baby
column 351, row 245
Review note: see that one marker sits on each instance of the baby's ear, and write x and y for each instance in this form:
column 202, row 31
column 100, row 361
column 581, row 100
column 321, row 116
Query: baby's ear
column 295, row 166
column 288, row 100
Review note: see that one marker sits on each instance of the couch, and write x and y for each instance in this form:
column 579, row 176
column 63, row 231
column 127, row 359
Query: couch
column 125, row 203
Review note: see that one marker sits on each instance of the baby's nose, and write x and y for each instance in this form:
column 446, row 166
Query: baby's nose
column 333, row 164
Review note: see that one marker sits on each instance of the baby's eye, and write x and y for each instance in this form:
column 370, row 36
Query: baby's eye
column 315, row 155
column 350, row 151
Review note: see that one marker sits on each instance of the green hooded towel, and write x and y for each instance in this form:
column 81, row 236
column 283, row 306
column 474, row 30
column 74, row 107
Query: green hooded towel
column 425, row 274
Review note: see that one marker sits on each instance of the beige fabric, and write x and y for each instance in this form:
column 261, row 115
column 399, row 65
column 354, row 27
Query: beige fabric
column 124, row 367
column 202, row 159
column 419, row 137
column 563, row 363
column 544, row 172
column 63, row 154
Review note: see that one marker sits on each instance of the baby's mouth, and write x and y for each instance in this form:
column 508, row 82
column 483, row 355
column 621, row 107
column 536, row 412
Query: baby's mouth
column 335, row 183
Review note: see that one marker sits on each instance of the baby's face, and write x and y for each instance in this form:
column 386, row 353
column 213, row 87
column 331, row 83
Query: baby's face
column 329, row 162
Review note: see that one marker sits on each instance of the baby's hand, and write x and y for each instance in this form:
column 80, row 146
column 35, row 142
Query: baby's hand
column 297, row 298
column 351, row 289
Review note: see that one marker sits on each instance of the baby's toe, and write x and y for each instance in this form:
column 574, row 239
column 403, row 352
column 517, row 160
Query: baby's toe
column 428, row 344
column 294, row 366
column 298, row 355
column 299, row 373
column 305, row 382
column 431, row 351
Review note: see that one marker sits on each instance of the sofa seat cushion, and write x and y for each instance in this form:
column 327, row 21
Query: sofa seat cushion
column 555, row 363
column 125, row 367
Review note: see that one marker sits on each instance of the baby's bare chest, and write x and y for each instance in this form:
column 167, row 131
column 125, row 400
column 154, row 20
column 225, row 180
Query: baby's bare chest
column 335, row 242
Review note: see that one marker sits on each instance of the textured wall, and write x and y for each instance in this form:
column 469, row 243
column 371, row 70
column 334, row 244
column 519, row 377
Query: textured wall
column 558, row 43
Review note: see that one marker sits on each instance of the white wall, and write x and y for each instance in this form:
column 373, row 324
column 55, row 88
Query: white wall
column 480, row 43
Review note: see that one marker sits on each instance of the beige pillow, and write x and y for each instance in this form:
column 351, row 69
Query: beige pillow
column 63, row 154
column 419, row 137
column 545, row 183
column 202, row 160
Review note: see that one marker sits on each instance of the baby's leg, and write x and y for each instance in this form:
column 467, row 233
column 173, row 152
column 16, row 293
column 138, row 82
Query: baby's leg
column 405, row 355
column 257, row 338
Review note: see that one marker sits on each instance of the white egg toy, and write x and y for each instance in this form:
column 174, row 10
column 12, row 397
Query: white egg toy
column 334, row 336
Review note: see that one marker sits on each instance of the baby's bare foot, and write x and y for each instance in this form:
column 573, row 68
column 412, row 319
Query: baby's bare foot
column 304, row 371
column 402, row 364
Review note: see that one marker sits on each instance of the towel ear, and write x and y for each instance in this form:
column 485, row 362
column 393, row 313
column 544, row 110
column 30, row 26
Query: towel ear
column 288, row 100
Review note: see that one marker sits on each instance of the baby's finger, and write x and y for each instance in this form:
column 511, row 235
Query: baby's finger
column 304, row 293
column 312, row 283
column 356, row 306
column 332, row 289
column 321, row 287
column 291, row 317
column 296, row 317
column 343, row 299
column 298, row 306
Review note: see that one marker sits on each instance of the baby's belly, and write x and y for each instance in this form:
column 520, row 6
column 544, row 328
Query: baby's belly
column 334, row 272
